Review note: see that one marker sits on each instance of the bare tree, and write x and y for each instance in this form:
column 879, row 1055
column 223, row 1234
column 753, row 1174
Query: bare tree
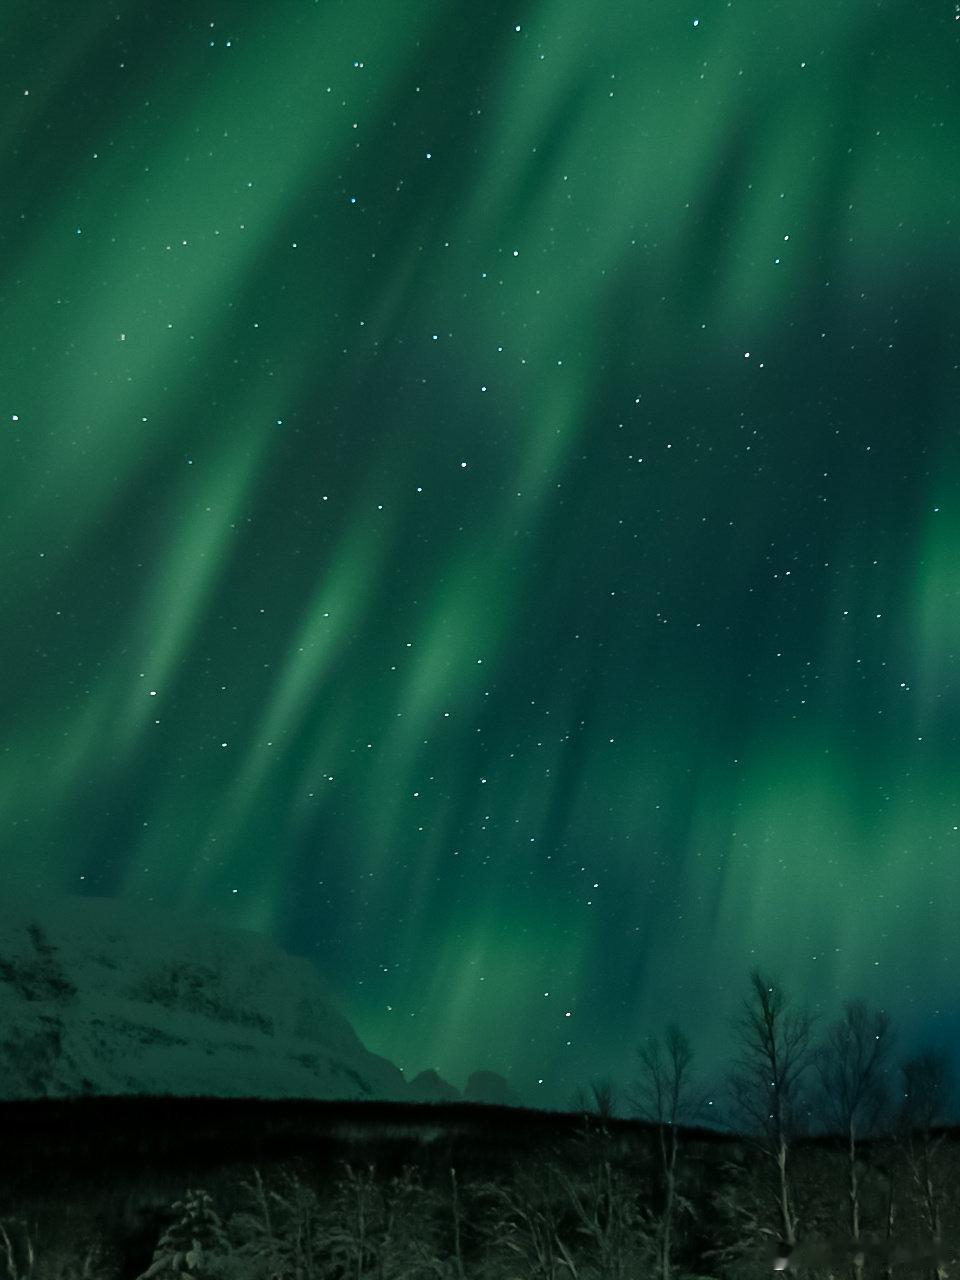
column 380, row 1228
column 667, row 1095
column 16, row 1245
column 456, row 1220
column 598, row 1100
column 607, row 1215
column 523, row 1223
column 767, row 1085
column 928, row 1087
column 849, row 1066
column 279, row 1231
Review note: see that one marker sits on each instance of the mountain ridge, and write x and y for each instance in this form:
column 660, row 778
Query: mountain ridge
column 100, row 996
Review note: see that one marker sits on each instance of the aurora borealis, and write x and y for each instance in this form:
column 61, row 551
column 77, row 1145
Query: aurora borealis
column 481, row 502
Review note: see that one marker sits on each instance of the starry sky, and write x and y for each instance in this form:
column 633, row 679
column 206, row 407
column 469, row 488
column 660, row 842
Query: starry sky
column 481, row 502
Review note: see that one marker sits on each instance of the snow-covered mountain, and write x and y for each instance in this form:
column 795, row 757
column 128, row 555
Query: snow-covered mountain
column 101, row 996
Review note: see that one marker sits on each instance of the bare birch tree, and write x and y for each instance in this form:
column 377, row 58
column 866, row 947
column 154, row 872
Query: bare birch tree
column 849, row 1067
column 667, row 1095
column 607, row 1216
column 598, row 1101
column 928, row 1088
column 767, row 1087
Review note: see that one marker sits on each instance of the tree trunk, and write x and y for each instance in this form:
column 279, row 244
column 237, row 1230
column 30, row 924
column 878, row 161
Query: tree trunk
column 361, row 1231
column 854, row 1203
column 891, row 1215
column 457, row 1251
column 935, row 1223
column 668, row 1165
column 787, row 1219
column 666, row 1234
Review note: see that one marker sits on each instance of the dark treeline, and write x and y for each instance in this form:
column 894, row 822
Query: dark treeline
column 825, row 1154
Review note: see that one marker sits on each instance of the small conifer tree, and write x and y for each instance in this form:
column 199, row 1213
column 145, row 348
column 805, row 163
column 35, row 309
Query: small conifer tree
column 194, row 1245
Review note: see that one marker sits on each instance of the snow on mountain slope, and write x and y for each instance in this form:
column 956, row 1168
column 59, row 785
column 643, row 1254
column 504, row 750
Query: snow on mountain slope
column 101, row 996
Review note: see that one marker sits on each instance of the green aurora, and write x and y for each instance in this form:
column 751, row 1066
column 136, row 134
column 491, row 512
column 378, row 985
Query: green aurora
column 481, row 502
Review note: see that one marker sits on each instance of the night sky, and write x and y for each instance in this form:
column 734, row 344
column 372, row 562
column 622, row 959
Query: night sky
column 481, row 502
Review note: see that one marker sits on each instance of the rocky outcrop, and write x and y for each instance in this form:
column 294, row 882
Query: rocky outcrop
column 428, row 1086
